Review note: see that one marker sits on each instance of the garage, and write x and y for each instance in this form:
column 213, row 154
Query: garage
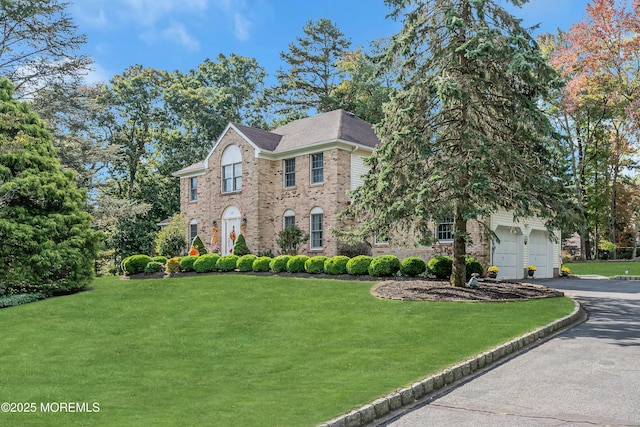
column 507, row 254
column 540, row 252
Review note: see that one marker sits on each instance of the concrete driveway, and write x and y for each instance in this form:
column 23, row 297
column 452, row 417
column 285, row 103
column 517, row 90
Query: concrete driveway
column 588, row 375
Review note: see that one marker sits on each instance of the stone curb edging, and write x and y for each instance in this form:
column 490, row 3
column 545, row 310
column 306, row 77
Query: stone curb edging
column 384, row 406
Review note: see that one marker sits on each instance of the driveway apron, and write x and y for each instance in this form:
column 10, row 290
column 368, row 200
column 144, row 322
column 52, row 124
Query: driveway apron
column 588, row 375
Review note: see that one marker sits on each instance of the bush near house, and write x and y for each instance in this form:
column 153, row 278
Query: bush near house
column 154, row 267
column 161, row 259
column 186, row 263
column 384, row 265
column 440, row 266
column 135, row 264
column 336, row 265
column 227, row 263
column 473, row 266
column 172, row 265
column 262, row 263
column 206, row 263
column 279, row 263
column 315, row 264
column 199, row 245
column 359, row 265
column 296, row 264
column 413, row 266
column 245, row 262
column 240, row 248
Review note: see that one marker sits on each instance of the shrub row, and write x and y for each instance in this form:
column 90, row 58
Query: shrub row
column 383, row 265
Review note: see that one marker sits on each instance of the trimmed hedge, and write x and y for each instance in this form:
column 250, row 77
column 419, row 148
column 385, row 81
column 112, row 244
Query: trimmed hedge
column 135, row 264
column 359, row 265
column 473, row 266
column 245, row 262
column 279, row 263
column 262, row 264
column 440, row 266
column 19, row 299
column 384, row 265
column 227, row 263
column 161, row 259
column 206, row 263
column 413, row 266
column 186, row 263
column 154, row 267
column 172, row 265
column 296, row 264
column 336, row 265
column 315, row 264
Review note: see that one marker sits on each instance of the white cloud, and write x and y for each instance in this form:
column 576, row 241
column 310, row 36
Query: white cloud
column 178, row 33
column 97, row 74
column 242, row 27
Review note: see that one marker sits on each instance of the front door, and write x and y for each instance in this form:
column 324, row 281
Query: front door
column 230, row 229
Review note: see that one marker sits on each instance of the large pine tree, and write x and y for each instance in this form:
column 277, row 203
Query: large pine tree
column 46, row 239
column 464, row 136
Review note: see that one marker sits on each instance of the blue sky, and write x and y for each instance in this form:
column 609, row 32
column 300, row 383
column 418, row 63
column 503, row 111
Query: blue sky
column 180, row 34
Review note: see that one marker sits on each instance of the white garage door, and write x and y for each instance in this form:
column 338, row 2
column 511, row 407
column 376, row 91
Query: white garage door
column 540, row 254
column 507, row 256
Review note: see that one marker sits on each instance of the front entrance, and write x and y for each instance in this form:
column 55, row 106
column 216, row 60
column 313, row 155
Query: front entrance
column 230, row 229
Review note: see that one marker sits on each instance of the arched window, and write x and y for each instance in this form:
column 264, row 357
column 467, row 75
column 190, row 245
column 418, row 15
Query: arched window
column 289, row 218
column 231, row 169
column 317, row 228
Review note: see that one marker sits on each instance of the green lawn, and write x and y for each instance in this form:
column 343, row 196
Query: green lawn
column 236, row 350
column 605, row 268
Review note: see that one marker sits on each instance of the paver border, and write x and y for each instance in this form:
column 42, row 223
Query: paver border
column 435, row 385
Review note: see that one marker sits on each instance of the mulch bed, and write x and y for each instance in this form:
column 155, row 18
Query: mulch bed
column 424, row 290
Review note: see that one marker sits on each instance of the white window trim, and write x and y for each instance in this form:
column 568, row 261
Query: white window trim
column 316, row 211
column 191, row 180
column 284, row 173
column 384, row 242
column 191, row 224
column 233, row 178
column 289, row 213
column 311, row 169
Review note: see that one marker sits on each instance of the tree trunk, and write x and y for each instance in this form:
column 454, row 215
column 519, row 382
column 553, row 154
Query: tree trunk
column 459, row 273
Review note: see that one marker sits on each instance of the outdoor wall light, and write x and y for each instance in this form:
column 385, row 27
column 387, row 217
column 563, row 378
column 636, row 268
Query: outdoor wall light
column 244, row 221
column 214, row 223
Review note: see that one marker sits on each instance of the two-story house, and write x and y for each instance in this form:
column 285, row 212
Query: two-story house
column 256, row 183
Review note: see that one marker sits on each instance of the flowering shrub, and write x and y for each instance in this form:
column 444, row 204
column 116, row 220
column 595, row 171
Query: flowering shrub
column 566, row 270
column 493, row 269
column 194, row 252
column 531, row 267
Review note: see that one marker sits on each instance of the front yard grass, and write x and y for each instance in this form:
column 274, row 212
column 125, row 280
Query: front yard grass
column 605, row 268
column 236, row 350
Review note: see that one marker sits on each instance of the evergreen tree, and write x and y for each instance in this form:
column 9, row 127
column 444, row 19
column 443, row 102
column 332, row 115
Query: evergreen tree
column 198, row 245
column 47, row 239
column 464, row 136
column 240, row 248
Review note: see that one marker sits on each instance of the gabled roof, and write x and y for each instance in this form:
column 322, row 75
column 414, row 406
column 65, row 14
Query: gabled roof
column 334, row 126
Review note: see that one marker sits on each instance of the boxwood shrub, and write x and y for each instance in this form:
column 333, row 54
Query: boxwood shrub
column 186, row 263
column 384, row 265
column 473, row 266
column 206, row 263
column 315, row 264
column 245, row 262
column 279, row 263
column 135, row 264
column 154, row 267
column 413, row 266
column 296, row 264
column 227, row 263
column 161, row 259
column 440, row 266
column 172, row 265
column 336, row 265
column 262, row 263
column 359, row 265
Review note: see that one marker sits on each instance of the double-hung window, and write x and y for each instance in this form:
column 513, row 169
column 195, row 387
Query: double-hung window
column 289, row 218
column 317, row 168
column 193, row 189
column 289, row 173
column 232, row 178
column 317, row 230
column 444, row 232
